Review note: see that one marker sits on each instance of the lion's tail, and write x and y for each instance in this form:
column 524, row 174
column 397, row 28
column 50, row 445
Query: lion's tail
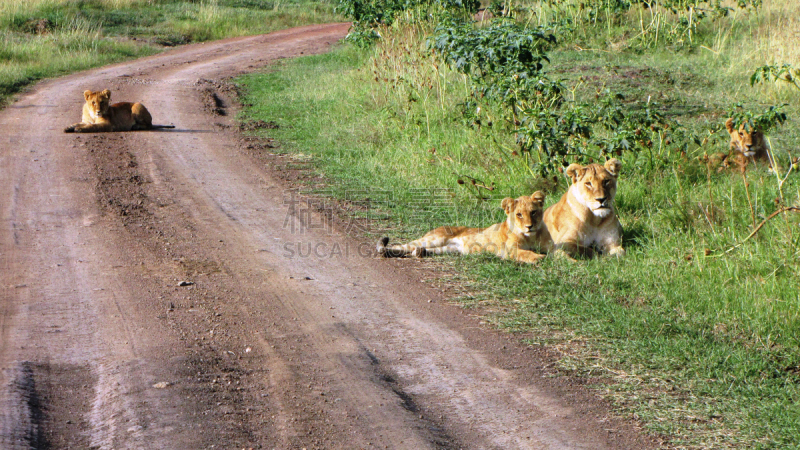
column 396, row 251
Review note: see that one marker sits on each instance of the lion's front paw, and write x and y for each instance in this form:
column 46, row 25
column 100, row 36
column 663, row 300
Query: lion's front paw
column 562, row 254
column 617, row 251
column 69, row 129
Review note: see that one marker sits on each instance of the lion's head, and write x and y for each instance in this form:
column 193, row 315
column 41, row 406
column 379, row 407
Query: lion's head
column 594, row 186
column 97, row 102
column 524, row 213
column 745, row 140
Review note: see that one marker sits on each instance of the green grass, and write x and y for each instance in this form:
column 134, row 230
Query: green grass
column 696, row 336
column 46, row 38
column 698, row 341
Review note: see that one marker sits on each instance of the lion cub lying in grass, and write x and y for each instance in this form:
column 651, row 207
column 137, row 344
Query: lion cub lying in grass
column 518, row 238
column 747, row 145
column 584, row 220
column 99, row 116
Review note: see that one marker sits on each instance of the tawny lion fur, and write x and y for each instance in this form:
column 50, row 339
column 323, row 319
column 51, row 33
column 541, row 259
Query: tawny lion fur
column 100, row 116
column 584, row 220
column 518, row 238
column 748, row 143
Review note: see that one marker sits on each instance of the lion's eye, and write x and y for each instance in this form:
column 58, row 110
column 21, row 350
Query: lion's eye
column 741, row 134
column 589, row 185
column 519, row 215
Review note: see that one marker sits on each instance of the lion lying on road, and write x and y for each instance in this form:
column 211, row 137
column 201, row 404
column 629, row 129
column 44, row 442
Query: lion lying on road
column 584, row 220
column 517, row 238
column 99, row 116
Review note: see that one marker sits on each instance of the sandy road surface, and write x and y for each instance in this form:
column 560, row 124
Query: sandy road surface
column 147, row 299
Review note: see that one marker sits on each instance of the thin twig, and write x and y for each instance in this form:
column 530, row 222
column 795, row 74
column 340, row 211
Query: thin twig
column 581, row 49
column 712, row 51
column 476, row 182
column 782, row 210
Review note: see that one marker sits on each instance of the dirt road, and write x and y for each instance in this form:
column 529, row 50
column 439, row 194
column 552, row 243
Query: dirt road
column 148, row 299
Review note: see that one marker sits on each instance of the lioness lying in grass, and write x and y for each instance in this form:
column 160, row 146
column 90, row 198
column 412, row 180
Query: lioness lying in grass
column 519, row 237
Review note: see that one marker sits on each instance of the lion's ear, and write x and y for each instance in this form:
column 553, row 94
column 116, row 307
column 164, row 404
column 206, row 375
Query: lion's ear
column 107, row 94
column 86, row 94
column 612, row 166
column 538, row 198
column 729, row 125
column 507, row 204
column 575, row 171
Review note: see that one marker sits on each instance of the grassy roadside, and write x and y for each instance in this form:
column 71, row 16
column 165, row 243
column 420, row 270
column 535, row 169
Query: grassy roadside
column 46, row 38
column 699, row 342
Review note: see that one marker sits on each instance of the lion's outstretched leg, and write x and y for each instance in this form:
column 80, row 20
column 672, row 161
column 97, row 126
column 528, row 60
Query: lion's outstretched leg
column 389, row 251
column 449, row 247
column 526, row 256
column 88, row 128
column 425, row 246
column 392, row 251
column 400, row 250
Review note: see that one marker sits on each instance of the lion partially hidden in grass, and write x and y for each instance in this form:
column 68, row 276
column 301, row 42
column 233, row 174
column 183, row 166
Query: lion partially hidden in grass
column 519, row 237
column 99, row 115
column 748, row 142
column 747, row 145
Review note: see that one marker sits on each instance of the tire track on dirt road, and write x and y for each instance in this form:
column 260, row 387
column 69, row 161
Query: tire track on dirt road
column 148, row 300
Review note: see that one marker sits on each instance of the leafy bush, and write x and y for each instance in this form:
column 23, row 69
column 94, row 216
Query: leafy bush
column 764, row 121
column 499, row 50
column 505, row 62
column 370, row 14
column 588, row 132
column 774, row 73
